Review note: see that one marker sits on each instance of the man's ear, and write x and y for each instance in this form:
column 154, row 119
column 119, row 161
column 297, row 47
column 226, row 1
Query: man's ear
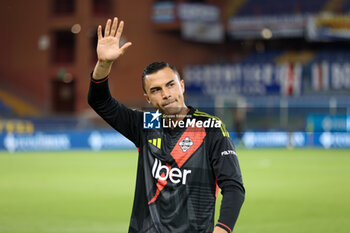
column 146, row 96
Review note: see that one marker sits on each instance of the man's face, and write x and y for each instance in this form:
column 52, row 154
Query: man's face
column 164, row 90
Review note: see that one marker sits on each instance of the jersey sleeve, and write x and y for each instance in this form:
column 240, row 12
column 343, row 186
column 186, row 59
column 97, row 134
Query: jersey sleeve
column 125, row 120
column 225, row 164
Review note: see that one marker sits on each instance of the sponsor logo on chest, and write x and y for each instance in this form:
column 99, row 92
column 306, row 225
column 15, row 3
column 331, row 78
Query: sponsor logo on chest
column 165, row 172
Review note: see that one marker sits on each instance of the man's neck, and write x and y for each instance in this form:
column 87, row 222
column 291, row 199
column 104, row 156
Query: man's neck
column 174, row 118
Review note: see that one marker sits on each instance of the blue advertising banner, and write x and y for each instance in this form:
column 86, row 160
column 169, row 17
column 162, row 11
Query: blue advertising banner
column 326, row 123
column 246, row 79
column 332, row 140
column 65, row 140
column 326, row 140
column 111, row 140
column 274, row 139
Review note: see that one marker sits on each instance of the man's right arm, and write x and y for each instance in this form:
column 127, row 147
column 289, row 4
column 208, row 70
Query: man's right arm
column 121, row 118
column 126, row 121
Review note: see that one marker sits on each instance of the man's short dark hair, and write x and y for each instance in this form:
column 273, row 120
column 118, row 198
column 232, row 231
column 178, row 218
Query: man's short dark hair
column 154, row 68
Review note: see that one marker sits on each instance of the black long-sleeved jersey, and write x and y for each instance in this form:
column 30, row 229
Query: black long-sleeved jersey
column 179, row 170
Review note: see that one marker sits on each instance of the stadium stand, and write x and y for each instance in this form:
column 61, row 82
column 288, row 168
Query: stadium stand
column 336, row 6
column 332, row 55
column 5, row 110
column 346, row 6
column 265, row 57
column 14, row 111
column 18, row 106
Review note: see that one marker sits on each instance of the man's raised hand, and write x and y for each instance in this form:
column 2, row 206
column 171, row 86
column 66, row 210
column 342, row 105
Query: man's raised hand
column 108, row 48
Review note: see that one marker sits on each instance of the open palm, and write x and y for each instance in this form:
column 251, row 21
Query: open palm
column 108, row 48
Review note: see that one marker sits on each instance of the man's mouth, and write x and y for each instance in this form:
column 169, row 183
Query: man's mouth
column 167, row 104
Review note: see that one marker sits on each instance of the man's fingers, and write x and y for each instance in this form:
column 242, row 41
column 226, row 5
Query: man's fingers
column 114, row 26
column 108, row 27
column 99, row 32
column 125, row 47
column 120, row 29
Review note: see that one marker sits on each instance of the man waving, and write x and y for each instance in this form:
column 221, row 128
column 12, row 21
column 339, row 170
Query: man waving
column 185, row 155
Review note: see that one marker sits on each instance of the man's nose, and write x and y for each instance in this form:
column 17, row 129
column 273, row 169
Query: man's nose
column 165, row 94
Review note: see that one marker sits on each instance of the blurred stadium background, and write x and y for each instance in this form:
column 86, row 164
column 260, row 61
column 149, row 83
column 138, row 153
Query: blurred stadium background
column 276, row 72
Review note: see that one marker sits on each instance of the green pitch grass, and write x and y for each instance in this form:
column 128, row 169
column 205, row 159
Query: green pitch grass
column 299, row 191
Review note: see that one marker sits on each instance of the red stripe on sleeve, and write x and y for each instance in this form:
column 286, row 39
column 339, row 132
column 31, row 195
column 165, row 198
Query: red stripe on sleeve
column 100, row 80
column 224, row 227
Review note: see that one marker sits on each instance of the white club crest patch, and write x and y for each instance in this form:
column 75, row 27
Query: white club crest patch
column 185, row 144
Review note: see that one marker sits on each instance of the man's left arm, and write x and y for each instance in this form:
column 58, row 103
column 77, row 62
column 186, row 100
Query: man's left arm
column 228, row 175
